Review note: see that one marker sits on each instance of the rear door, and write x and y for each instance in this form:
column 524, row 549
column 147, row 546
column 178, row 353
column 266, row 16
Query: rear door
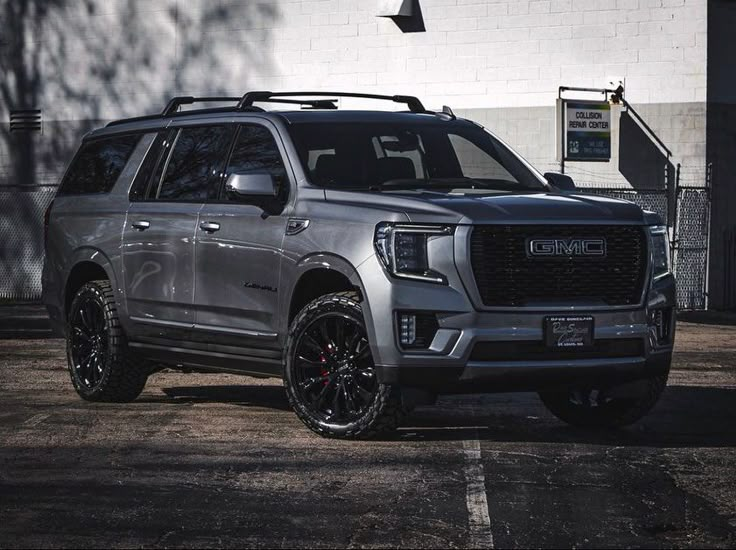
column 161, row 226
column 239, row 250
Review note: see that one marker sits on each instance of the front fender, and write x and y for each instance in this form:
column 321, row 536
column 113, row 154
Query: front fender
column 334, row 262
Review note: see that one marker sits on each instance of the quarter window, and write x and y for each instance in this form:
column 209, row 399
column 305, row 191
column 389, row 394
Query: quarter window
column 97, row 165
column 192, row 170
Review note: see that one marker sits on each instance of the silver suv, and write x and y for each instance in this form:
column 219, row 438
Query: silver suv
column 373, row 260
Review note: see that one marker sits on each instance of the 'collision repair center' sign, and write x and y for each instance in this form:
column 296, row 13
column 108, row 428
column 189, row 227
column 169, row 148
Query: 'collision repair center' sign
column 587, row 130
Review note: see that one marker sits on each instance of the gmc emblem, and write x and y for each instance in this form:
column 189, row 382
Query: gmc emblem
column 566, row 247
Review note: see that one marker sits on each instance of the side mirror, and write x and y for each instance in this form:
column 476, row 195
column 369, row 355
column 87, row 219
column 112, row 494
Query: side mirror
column 562, row 182
column 254, row 188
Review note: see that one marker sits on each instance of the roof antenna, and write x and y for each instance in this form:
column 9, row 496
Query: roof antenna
column 447, row 111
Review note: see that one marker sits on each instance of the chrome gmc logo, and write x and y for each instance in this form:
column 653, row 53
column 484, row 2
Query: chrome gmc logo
column 566, row 247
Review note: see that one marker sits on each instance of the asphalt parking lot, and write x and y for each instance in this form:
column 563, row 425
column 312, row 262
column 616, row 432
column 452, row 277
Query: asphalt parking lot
column 219, row 460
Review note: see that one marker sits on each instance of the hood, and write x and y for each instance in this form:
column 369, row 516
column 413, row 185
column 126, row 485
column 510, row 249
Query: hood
column 530, row 208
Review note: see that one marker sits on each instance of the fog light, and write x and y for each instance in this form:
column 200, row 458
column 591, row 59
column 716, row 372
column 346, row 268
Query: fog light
column 407, row 329
column 660, row 319
column 416, row 329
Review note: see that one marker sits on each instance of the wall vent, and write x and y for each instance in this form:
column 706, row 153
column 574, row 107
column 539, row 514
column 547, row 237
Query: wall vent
column 26, row 120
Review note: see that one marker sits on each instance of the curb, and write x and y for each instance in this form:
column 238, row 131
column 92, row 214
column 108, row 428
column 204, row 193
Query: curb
column 24, row 321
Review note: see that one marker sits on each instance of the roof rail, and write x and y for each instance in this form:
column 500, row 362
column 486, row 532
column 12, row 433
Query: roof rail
column 308, row 103
column 245, row 103
column 173, row 105
column 413, row 103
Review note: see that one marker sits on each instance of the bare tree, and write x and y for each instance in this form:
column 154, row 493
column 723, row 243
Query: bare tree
column 87, row 62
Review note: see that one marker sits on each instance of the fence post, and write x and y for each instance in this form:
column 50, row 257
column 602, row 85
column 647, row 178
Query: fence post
column 708, row 229
column 675, row 233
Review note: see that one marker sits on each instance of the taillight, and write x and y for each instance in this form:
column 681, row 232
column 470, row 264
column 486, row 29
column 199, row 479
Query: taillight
column 46, row 219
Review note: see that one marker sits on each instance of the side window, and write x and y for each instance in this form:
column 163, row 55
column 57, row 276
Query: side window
column 476, row 163
column 155, row 155
column 97, row 165
column 193, row 167
column 256, row 152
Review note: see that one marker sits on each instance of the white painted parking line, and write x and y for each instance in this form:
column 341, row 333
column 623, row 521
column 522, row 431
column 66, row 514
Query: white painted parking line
column 36, row 419
column 477, row 502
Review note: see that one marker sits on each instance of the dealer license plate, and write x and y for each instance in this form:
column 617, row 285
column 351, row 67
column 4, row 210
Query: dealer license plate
column 568, row 331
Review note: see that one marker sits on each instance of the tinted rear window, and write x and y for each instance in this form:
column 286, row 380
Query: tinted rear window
column 97, row 165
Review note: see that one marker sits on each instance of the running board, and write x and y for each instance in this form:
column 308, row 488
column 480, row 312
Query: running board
column 211, row 360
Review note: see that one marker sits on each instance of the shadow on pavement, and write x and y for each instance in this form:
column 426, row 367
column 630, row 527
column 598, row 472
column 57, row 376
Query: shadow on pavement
column 247, row 396
column 686, row 416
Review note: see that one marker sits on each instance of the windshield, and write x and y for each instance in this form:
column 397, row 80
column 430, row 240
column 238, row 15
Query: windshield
column 387, row 156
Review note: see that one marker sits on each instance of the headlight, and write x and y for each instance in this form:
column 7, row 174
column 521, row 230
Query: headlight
column 660, row 250
column 403, row 250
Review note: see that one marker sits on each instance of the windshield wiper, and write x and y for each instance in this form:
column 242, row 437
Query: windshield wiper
column 447, row 183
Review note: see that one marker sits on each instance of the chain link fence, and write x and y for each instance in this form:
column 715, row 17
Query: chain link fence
column 690, row 246
column 21, row 240
column 690, row 222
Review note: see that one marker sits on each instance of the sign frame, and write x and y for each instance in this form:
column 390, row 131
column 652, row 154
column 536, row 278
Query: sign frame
column 592, row 140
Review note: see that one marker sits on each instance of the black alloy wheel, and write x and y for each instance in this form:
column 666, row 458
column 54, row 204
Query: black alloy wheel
column 334, row 372
column 101, row 365
column 89, row 345
column 329, row 373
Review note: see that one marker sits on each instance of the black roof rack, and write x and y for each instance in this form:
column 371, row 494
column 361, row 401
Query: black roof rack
column 245, row 103
column 309, row 103
column 413, row 103
column 173, row 105
column 212, row 110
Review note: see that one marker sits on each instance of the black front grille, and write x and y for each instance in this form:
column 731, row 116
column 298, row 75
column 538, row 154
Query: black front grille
column 506, row 275
column 606, row 348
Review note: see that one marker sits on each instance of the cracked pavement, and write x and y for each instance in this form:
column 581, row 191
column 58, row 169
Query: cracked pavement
column 220, row 460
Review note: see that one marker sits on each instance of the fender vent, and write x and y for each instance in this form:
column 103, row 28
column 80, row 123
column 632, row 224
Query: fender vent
column 26, row 120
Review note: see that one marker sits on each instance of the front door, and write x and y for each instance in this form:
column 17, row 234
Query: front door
column 239, row 252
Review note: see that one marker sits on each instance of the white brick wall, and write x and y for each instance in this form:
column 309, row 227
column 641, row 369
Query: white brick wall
column 480, row 53
column 126, row 57
column 477, row 53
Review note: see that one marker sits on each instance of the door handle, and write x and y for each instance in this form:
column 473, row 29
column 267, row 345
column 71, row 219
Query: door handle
column 141, row 225
column 210, row 227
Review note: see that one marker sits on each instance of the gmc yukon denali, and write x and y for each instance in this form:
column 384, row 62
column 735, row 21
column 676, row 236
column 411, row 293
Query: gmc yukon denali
column 373, row 260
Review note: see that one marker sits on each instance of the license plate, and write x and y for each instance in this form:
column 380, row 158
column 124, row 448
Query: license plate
column 568, row 331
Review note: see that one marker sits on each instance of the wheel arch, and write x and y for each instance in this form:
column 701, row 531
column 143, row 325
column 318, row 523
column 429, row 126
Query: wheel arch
column 87, row 264
column 320, row 274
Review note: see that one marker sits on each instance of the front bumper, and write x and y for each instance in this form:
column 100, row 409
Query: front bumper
column 488, row 377
column 453, row 363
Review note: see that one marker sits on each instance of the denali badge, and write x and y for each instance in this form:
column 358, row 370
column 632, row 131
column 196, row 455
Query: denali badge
column 566, row 247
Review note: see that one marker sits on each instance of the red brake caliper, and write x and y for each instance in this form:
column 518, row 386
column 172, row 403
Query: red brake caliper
column 324, row 371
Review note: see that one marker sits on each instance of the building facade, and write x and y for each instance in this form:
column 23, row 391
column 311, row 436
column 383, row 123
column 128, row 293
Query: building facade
column 498, row 62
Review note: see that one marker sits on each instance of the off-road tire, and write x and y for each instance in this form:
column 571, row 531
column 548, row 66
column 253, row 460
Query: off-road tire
column 124, row 374
column 385, row 411
column 616, row 413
